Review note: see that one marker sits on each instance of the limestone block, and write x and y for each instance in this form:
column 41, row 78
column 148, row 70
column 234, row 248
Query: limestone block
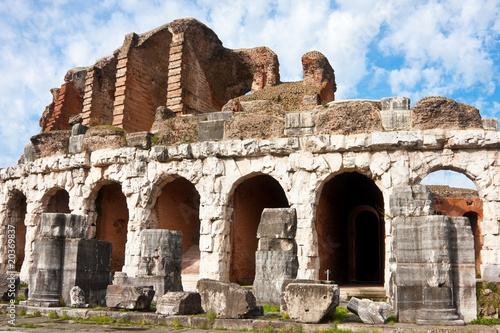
column 75, row 144
column 406, row 139
column 490, row 123
column 272, row 269
column 393, row 120
column 224, row 115
column 213, row 166
column 299, row 120
column 395, row 103
column 315, row 143
column 77, row 296
column 368, row 311
column 358, row 141
column 250, row 147
column 311, row 303
column 78, row 129
column 464, row 139
column 141, row 140
column 107, row 157
column 179, row 152
column 63, row 225
column 179, row 303
column 211, row 130
column 161, row 252
column 413, row 200
column 226, row 300
column 283, row 146
column 277, row 223
column 129, row 297
column 337, row 142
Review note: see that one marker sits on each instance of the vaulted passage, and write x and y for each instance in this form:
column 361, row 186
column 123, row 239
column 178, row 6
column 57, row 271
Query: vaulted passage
column 112, row 221
column 249, row 200
column 16, row 213
column 178, row 208
column 58, row 202
column 350, row 227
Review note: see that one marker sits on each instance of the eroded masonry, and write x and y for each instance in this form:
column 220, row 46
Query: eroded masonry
column 175, row 132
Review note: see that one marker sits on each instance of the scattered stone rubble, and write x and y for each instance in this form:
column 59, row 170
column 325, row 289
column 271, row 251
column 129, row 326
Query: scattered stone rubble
column 179, row 303
column 226, row 300
column 368, row 311
column 130, row 297
column 311, row 302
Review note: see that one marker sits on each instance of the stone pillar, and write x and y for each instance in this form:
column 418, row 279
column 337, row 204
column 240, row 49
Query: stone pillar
column 160, row 262
column 276, row 256
column 64, row 258
column 434, row 274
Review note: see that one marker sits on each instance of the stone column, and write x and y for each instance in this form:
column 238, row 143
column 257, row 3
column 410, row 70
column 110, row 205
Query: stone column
column 276, row 256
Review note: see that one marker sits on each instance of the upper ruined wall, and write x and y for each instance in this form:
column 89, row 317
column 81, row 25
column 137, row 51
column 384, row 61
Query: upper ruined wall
column 181, row 65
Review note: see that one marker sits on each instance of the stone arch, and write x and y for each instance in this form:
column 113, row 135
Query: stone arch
column 248, row 198
column 56, row 200
column 111, row 220
column 349, row 223
column 16, row 225
column 176, row 207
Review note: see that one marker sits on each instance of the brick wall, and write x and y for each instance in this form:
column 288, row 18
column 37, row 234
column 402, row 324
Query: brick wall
column 69, row 103
column 98, row 101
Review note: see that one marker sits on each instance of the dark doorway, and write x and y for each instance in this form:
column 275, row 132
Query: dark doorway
column 249, row 200
column 350, row 229
column 478, row 238
column 16, row 214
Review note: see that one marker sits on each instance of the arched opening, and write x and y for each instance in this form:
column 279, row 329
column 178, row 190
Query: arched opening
column 16, row 214
column 456, row 195
column 177, row 208
column 249, row 200
column 350, row 229
column 58, row 202
column 112, row 222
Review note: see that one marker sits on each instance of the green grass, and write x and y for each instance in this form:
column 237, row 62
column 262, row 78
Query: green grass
column 28, row 325
column 485, row 321
column 53, row 315
column 340, row 314
column 271, row 308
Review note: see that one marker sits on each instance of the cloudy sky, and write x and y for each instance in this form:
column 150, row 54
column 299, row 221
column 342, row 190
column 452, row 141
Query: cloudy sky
column 377, row 48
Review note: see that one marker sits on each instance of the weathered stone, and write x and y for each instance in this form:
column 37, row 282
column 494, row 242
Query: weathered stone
column 413, row 200
column 211, row 130
column 9, row 286
column 75, row 144
column 77, row 296
column 368, row 311
column 278, row 223
column 78, row 129
column 163, row 113
column 441, row 112
column 283, row 308
column 224, row 115
column 64, row 258
column 141, row 140
column 179, row 303
column 226, row 300
column 129, row 297
column 490, row 123
column 311, row 303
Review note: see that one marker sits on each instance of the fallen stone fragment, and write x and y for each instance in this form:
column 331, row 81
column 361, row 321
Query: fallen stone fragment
column 368, row 311
column 311, row 303
column 129, row 297
column 226, row 300
column 179, row 303
column 9, row 286
column 77, row 296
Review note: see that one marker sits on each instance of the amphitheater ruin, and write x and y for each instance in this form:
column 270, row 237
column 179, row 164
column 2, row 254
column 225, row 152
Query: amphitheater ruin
column 174, row 131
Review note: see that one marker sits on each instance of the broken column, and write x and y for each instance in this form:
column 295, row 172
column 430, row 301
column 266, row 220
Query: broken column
column 160, row 262
column 369, row 312
column 276, row 256
column 64, row 258
column 434, row 280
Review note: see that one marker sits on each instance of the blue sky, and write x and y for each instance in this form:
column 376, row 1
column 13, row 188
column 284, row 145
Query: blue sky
column 377, row 48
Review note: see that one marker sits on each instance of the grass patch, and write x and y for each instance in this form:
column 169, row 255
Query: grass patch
column 392, row 320
column 35, row 314
column 485, row 321
column 211, row 317
column 53, row 315
column 28, row 325
column 340, row 314
column 271, row 308
column 22, row 312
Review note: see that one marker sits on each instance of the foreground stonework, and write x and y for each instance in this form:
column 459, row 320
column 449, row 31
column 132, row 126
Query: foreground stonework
column 209, row 174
